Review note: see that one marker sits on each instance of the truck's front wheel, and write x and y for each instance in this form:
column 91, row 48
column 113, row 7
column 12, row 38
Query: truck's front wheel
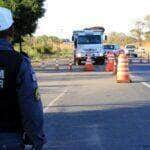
column 102, row 61
column 79, row 62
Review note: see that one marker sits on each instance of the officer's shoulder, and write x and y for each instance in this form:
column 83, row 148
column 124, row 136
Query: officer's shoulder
column 23, row 54
column 25, row 57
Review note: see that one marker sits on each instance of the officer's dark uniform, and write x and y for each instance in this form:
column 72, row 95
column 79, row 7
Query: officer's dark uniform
column 20, row 103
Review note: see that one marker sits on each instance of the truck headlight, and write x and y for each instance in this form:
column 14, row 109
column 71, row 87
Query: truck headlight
column 79, row 55
column 101, row 54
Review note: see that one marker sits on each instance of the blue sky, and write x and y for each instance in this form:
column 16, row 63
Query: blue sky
column 64, row 16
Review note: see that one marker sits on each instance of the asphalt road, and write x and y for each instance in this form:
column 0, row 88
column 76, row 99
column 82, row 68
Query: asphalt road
column 90, row 111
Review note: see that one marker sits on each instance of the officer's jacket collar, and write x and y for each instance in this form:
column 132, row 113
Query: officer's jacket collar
column 5, row 45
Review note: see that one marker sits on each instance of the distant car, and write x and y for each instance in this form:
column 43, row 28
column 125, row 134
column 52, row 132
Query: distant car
column 115, row 48
column 130, row 49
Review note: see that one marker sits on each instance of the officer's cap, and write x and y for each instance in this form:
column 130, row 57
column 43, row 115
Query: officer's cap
column 6, row 19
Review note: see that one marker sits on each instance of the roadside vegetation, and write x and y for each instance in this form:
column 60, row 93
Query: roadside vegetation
column 139, row 34
column 46, row 47
column 26, row 15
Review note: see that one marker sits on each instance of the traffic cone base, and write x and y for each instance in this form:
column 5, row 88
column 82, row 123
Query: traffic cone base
column 123, row 74
column 110, row 62
column 70, row 65
column 56, row 65
column 109, row 67
column 125, row 80
column 89, row 66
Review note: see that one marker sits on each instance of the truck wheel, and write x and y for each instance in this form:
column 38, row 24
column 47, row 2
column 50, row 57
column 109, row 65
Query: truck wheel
column 79, row 62
column 102, row 61
column 74, row 62
column 135, row 55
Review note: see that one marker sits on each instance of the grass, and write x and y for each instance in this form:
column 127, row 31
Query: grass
column 46, row 53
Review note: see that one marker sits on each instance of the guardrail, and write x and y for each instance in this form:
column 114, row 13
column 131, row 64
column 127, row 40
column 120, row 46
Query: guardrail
column 139, row 60
column 143, row 58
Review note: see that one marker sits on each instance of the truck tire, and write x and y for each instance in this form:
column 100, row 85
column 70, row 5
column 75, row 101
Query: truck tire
column 79, row 62
column 74, row 59
column 102, row 61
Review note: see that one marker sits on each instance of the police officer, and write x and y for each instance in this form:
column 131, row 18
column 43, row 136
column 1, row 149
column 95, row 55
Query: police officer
column 21, row 111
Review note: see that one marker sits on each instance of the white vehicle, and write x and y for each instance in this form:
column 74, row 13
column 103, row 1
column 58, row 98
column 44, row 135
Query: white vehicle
column 130, row 49
column 89, row 41
column 115, row 48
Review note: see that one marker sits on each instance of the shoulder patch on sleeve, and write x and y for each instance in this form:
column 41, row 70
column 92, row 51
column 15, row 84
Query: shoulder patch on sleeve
column 34, row 77
column 37, row 94
column 2, row 78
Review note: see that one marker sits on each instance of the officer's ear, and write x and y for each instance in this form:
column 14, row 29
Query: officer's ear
column 10, row 33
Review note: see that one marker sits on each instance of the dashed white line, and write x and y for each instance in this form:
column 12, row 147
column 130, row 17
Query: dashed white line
column 55, row 100
column 146, row 84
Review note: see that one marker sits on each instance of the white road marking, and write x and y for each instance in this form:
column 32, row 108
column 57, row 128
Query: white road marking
column 146, row 84
column 55, row 100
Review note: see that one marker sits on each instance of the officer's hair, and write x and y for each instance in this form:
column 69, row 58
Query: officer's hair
column 6, row 33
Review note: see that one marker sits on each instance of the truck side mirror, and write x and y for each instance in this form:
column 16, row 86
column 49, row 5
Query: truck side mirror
column 72, row 38
column 105, row 37
column 75, row 43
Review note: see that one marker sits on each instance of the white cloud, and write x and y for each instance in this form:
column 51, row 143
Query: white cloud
column 63, row 16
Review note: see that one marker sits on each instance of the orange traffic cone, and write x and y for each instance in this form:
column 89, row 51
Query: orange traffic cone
column 115, row 67
column 56, row 64
column 123, row 75
column 110, row 62
column 70, row 64
column 43, row 65
column 89, row 66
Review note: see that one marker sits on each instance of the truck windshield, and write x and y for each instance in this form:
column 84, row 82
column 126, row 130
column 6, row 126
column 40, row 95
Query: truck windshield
column 131, row 46
column 89, row 39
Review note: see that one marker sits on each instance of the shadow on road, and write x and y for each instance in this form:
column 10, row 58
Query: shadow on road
column 74, row 77
column 63, row 69
column 116, row 128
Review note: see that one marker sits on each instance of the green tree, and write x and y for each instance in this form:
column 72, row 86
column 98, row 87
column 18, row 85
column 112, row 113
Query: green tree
column 147, row 22
column 1, row 3
column 147, row 36
column 120, row 38
column 26, row 14
column 147, row 27
column 137, row 32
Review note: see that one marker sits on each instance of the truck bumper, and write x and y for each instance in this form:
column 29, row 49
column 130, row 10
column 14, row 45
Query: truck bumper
column 95, row 60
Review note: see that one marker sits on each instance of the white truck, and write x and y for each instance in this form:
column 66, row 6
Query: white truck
column 86, row 41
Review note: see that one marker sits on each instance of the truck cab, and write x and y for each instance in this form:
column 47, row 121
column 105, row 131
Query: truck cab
column 89, row 41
